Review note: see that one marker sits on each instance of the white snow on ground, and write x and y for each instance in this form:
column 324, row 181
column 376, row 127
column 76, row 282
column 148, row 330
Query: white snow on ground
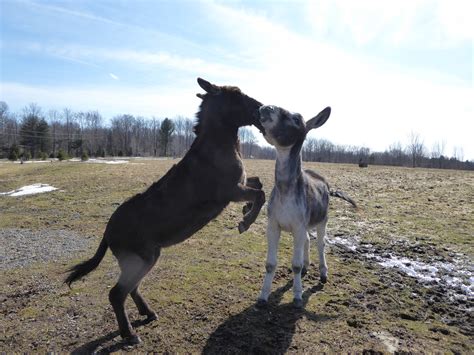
column 30, row 190
column 99, row 161
column 350, row 244
column 33, row 161
column 458, row 275
column 418, row 269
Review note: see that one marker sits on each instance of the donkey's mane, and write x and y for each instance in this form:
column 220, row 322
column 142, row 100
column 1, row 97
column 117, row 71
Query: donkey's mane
column 200, row 115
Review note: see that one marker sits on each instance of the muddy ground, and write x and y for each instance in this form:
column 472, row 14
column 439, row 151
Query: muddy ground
column 400, row 267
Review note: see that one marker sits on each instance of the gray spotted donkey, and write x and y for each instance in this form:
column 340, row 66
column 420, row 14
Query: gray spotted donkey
column 299, row 200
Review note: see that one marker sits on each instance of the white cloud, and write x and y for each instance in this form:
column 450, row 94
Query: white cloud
column 113, row 76
column 414, row 24
column 374, row 103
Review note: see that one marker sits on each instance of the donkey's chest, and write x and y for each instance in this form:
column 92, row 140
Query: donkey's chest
column 288, row 212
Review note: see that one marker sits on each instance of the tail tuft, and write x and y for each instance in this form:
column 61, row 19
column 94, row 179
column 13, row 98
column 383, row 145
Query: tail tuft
column 343, row 196
column 82, row 269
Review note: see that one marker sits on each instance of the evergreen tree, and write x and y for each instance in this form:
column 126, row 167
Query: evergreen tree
column 34, row 134
column 166, row 131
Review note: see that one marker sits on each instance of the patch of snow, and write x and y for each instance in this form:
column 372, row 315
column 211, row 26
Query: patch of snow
column 388, row 340
column 348, row 243
column 99, row 161
column 30, row 190
column 417, row 269
column 456, row 275
column 33, row 161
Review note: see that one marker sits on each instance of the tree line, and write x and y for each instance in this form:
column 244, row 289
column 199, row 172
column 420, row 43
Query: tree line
column 33, row 133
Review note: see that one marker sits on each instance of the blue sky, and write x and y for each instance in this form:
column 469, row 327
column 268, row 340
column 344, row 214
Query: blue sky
column 387, row 68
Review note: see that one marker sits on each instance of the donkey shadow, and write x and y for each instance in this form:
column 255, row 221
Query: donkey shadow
column 262, row 331
column 93, row 347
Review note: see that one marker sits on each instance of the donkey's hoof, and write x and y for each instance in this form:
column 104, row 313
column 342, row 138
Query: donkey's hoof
column 132, row 340
column 242, row 227
column 304, row 271
column 151, row 317
column 261, row 304
column 324, row 279
column 297, row 303
column 247, row 207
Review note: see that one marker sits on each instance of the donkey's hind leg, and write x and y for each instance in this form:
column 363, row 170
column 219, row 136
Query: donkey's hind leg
column 304, row 271
column 133, row 269
column 143, row 307
column 323, row 268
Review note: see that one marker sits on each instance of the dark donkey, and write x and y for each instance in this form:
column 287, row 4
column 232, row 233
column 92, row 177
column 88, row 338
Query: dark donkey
column 192, row 193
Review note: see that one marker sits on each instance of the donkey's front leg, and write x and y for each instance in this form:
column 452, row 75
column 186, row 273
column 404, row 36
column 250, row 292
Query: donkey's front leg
column 273, row 239
column 300, row 237
column 257, row 197
column 253, row 182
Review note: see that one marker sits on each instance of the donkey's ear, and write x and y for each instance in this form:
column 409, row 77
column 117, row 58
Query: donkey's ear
column 208, row 87
column 319, row 120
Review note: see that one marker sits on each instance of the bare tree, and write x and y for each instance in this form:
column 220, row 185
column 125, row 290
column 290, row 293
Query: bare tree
column 54, row 124
column 3, row 125
column 415, row 148
column 438, row 149
column 247, row 141
column 68, row 119
column 154, row 126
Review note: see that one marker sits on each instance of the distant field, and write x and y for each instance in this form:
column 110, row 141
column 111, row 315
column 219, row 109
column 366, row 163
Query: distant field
column 400, row 267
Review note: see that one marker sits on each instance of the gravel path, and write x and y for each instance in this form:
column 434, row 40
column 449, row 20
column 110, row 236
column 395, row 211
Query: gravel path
column 22, row 247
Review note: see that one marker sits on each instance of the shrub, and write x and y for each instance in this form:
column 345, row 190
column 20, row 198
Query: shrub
column 84, row 156
column 43, row 156
column 62, row 155
column 26, row 155
column 14, row 153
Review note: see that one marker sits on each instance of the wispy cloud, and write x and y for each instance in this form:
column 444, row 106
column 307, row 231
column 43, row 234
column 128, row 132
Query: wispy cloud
column 113, row 76
column 150, row 59
column 159, row 101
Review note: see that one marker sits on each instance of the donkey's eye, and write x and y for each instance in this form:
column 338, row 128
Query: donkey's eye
column 296, row 120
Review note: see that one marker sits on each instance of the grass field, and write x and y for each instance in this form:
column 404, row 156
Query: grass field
column 409, row 222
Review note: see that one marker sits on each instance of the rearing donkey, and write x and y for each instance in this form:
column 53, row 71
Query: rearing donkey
column 185, row 199
column 299, row 200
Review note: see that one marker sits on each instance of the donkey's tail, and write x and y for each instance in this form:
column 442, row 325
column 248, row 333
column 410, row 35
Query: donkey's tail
column 82, row 269
column 342, row 195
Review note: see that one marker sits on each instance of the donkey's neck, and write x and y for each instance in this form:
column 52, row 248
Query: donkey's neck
column 288, row 167
column 224, row 138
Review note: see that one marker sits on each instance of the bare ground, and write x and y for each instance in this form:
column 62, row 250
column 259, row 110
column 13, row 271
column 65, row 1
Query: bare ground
column 205, row 288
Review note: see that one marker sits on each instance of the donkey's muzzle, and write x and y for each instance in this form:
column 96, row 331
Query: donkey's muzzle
column 266, row 112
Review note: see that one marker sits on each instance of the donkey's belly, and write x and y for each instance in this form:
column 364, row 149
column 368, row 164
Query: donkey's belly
column 187, row 224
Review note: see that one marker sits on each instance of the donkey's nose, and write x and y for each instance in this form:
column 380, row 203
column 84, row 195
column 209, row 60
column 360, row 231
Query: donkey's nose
column 265, row 113
column 267, row 109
